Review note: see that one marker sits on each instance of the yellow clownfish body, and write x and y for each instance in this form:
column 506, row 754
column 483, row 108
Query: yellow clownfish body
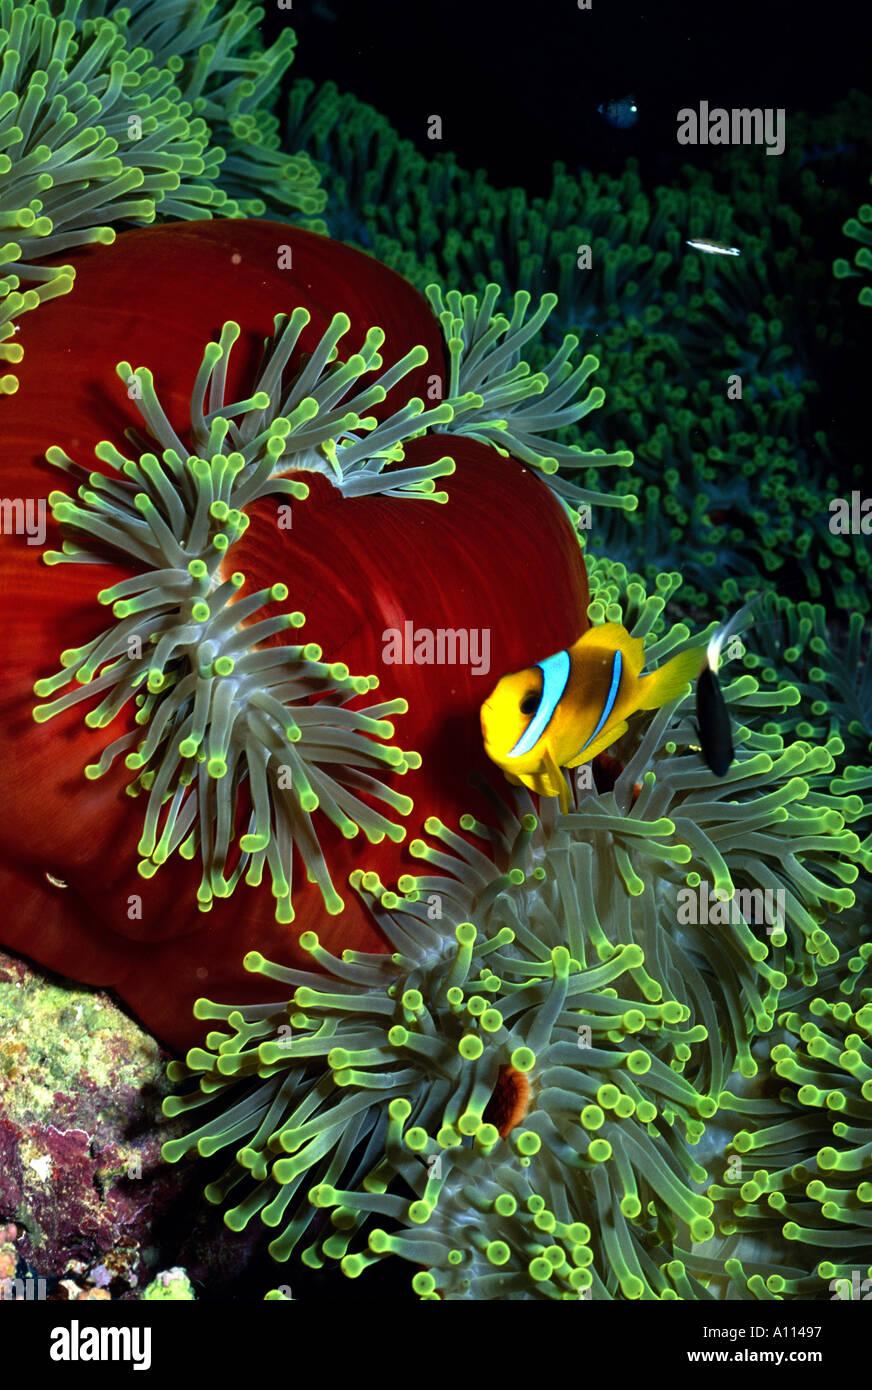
column 568, row 708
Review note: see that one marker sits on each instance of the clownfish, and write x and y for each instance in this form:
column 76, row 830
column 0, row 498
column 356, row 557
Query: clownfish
column 568, row 708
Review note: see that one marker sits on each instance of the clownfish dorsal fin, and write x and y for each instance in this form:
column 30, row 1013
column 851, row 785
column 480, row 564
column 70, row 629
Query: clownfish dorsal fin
column 613, row 637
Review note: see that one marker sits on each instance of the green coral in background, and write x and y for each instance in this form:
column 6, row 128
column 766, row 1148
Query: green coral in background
column 858, row 228
column 833, row 672
column 751, row 476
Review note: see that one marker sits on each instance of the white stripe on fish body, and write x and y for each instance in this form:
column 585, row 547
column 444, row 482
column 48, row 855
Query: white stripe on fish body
column 555, row 678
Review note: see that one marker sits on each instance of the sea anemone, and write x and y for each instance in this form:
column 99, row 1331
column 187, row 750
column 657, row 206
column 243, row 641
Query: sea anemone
column 220, row 710
column 214, row 441
column 518, row 1066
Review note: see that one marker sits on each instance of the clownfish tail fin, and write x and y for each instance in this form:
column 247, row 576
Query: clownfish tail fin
column 669, row 680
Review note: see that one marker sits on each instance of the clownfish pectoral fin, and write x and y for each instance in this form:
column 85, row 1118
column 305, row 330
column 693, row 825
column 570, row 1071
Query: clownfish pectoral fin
column 538, row 782
column 556, row 779
column 669, row 680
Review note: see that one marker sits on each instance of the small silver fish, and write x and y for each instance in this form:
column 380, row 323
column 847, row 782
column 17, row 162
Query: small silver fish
column 714, row 248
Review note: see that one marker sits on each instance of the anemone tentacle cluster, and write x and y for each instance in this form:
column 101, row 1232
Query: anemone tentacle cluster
column 145, row 152
column 111, row 116
column 859, row 229
column 489, row 380
column 230, row 80
column 225, row 717
column 805, row 1165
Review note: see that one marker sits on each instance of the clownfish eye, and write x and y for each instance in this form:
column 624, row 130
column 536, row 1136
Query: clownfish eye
column 530, row 702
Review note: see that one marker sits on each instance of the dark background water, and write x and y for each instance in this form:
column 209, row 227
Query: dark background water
column 518, row 85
